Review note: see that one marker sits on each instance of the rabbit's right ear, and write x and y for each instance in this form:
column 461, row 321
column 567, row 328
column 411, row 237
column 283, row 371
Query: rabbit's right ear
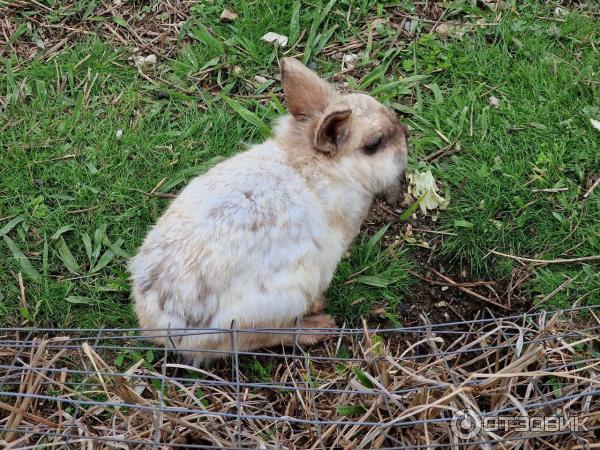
column 306, row 94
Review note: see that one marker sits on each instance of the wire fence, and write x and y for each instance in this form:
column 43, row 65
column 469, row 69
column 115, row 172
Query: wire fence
column 523, row 381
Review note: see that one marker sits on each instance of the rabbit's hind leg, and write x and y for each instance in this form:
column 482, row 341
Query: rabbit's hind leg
column 313, row 336
column 317, row 307
column 249, row 341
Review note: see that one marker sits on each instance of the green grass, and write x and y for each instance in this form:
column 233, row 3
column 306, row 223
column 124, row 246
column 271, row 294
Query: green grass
column 540, row 138
column 370, row 277
column 72, row 190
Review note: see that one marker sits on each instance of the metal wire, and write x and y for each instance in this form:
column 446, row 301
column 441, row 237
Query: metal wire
column 384, row 388
column 122, row 332
column 274, row 385
column 315, row 358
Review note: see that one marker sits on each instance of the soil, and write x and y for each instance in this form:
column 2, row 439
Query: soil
column 433, row 297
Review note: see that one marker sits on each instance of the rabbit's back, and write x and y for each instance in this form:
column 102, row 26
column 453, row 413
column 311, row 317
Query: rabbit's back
column 247, row 241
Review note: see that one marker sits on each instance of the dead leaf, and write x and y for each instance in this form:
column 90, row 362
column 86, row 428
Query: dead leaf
column 39, row 43
column 452, row 30
column 422, row 186
column 274, row 38
column 418, row 242
column 349, row 59
column 228, row 16
column 559, row 12
column 141, row 60
column 520, row 342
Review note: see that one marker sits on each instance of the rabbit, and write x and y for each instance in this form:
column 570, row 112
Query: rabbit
column 254, row 241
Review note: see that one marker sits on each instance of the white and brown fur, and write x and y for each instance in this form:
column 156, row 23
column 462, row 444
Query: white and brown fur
column 255, row 240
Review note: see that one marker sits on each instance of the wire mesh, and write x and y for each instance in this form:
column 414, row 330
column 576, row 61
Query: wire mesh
column 529, row 381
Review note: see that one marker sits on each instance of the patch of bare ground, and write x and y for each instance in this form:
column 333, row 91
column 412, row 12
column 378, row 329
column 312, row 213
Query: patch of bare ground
column 445, row 291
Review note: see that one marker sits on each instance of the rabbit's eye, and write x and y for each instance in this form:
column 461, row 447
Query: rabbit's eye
column 372, row 146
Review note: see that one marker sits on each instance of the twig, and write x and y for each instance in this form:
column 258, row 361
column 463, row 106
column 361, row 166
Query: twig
column 453, row 284
column 29, row 415
column 447, row 150
column 22, row 291
column 58, row 158
column 548, row 261
column 10, row 124
column 157, row 187
column 155, row 194
column 591, row 189
column 468, row 291
column 558, row 289
column 79, row 211
column 388, row 210
column 551, row 190
column 423, row 230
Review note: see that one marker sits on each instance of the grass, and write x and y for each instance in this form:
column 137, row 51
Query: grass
column 370, row 277
column 85, row 137
column 520, row 177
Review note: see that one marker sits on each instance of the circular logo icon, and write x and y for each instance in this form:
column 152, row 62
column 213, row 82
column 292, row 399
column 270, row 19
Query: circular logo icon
column 466, row 423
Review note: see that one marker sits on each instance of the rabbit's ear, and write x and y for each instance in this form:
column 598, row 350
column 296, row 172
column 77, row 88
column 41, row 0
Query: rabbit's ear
column 332, row 129
column 306, row 94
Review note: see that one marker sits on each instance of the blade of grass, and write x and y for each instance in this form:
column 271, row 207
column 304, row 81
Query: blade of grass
column 375, row 281
column 61, row 231
column 247, row 115
column 374, row 240
column 411, row 209
column 295, row 23
column 318, row 18
column 78, row 300
column 10, row 225
column 22, row 260
column 351, row 410
column 67, row 257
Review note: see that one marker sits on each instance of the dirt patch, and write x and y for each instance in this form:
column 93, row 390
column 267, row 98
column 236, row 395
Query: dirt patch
column 435, row 294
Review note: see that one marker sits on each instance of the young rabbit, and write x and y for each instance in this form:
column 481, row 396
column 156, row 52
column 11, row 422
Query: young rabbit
column 255, row 241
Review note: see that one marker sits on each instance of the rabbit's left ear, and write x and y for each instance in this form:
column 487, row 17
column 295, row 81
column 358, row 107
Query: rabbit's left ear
column 332, row 130
column 306, row 94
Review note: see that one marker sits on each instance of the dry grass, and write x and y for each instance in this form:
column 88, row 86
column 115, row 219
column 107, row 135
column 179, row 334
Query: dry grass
column 150, row 30
column 363, row 389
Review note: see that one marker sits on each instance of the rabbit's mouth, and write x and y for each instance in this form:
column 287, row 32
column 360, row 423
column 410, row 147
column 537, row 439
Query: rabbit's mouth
column 393, row 192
